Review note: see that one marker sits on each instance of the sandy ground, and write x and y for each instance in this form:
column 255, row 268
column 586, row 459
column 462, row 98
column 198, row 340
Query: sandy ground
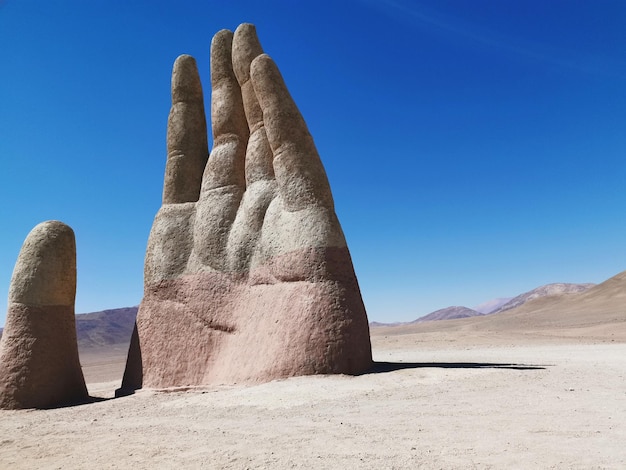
column 437, row 401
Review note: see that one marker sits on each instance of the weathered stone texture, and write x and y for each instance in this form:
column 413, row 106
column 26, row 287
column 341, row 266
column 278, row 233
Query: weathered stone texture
column 253, row 280
column 39, row 364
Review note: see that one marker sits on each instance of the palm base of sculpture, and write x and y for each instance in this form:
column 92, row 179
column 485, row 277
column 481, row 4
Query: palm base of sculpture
column 44, row 370
column 216, row 328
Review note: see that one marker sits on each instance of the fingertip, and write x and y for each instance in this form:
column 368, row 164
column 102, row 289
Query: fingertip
column 186, row 84
column 183, row 59
column 45, row 271
column 222, row 40
column 268, row 83
column 221, row 59
column 245, row 27
column 221, row 34
column 246, row 47
column 261, row 64
column 246, row 33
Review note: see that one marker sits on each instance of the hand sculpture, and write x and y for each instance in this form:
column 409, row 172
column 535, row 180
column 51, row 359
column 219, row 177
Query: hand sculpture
column 39, row 366
column 247, row 273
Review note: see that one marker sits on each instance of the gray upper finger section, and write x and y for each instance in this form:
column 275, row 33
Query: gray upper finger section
column 187, row 147
column 226, row 165
column 45, row 272
column 301, row 178
column 246, row 47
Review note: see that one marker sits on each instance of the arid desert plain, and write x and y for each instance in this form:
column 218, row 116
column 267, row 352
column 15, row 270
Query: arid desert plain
column 541, row 386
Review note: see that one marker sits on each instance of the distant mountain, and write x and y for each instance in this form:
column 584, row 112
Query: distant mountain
column 492, row 305
column 501, row 304
column 449, row 313
column 596, row 314
column 542, row 291
column 105, row 328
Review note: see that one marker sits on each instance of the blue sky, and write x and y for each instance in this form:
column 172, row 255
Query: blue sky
column 476, row 149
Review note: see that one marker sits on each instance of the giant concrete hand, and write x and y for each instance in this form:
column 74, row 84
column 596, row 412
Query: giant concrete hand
column 39, row 365
column 247, row 272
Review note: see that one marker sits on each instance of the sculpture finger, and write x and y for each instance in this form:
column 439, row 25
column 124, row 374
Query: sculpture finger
column 299, row 172
column 39, row 363
column 246, row 47
column 224, row 182
column 187, row 147
column 230, row 130
column 45, row 271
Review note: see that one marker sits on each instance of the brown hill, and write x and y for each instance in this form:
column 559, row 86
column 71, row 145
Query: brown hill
column 542, row 291
column 449, row 313
column 495, row 305
column 105, row 328
column 597, row 314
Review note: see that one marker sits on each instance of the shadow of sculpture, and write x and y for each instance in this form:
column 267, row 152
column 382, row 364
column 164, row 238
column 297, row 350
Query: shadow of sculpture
column 383, row 367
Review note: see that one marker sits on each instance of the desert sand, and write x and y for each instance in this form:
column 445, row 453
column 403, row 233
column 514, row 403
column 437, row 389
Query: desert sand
column 453, row 394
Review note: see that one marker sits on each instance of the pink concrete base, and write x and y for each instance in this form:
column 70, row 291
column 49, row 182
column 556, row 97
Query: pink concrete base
column 39, row 364
column 216, row 328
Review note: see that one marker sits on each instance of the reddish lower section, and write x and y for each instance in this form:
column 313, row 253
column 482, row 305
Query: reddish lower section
column 39, row 364
column 217, row 328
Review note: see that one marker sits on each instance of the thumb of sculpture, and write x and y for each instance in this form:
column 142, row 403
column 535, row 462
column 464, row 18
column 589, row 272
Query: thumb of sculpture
column 39, row 364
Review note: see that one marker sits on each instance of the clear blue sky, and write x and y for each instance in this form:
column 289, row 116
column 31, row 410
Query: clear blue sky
column 476, row 149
